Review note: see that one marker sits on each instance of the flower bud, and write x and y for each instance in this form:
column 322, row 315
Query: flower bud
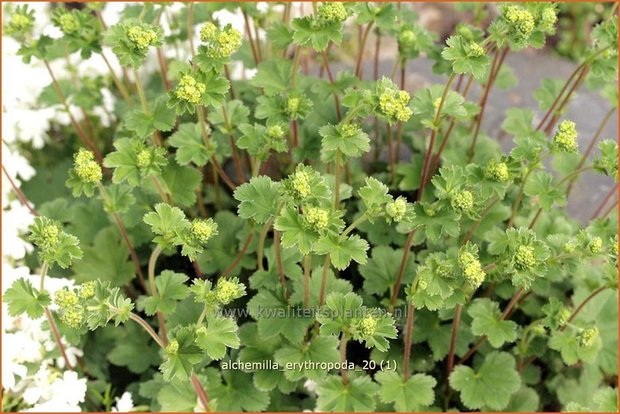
column 208, row 32
column 87, row 290
column 525, row 258
column 396, row 209
column 475, row 50
column 548, row 19
column 190, row 90
column 367, row 326
column 275, row 131
column 65, row 298
column 301, row 184
column 144, row 158
column 595, row 245
column 173, row 347
column 565, row 138
column 520, row 19
column 587, row 338
column 317, row 217
column 72, row 317
column 69, row 23
column 141, row 38
column 86, row 168
column 203, row 230
column 497, row 171
column 462, row 201
column 228, row 290
column 332, row 12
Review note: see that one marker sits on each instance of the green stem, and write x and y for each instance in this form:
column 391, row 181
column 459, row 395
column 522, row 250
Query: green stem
column 143, row 102
column 519, row 197
column 44, row 269
column 202, row 316
column 154, row 293
column 326, row 265
column 353, row 225
column 144, row 324
column 307, row 264
column 261, row 245
column 358, row 65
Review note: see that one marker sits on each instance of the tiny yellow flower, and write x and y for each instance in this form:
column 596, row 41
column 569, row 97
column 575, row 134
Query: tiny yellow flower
column 65, row 298
column 73, row 317
column 141, row 38
column 144, row 158
column 548, row 19
column 86, row 168
column 497, row 171
column 275, row 131
column 50, row 234
column 317, row 217
column 202, row 331
column 208, row 32
column 525, row 258
column 368, row 325
column 203, row 230
column 348, row 130
column 565, row 138
column 475, row 50
column 396, row 209
column 227, row 291
column 595, row 245
column 87, row 290
column 292, row 105
column 190, row 90
column 332, row 12
column 69, row 23
column 229, row 41
column 462, row 201
column 301, row 183
column 173, row 347
column 393, row 104
column 562, row 316
column 587, row 337
column 521, row 19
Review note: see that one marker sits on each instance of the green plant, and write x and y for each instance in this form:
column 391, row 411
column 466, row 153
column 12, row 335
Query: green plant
column 244, row 221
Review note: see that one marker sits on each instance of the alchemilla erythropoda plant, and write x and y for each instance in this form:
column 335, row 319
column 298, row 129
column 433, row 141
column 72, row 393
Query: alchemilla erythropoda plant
column 269, row 222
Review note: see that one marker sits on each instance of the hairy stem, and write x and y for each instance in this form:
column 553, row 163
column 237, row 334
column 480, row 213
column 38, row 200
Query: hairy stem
column 343, row 357
column 307, row 262
column 358, row 65
column 153, row 290
column 237, row 260
column 20, row 195
column 580, row 307
column 408, row 338
column 57, row 337
column 605, row 200
column 279, row 264
column 260, row 249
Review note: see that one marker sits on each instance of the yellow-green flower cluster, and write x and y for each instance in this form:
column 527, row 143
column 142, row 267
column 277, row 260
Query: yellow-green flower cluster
column 367, row 326
column 69, row 23
column 396, row 209
column 472, row 269
column 548, row 19
column 475, row 50
column 301, row 183
column 292, row 105
column 595, row 245
column 19, row 23
column 50, row 234
column 587, row 337
column 173, row 347
column 220, row 43
column 524, row 258
column 462, row 201
column 141, row 38
column 190, row 90
column 562, row 316
column 497, row 171
column 520, row 19
column 569, row 247
column 86, row 168
column 565, row 138
column 394, row 104
column 202, row 230
column 407, row 38
column 348, row 130
column 69, row 310
column 332, row 12
column 87, row 290
column 228, row 290
column 317, row 217
column 275, row 131
column 144, row 158
column 65, row 298
column 208, row 32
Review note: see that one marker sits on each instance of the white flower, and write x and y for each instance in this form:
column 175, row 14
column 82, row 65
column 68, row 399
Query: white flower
column 124, row 403
column 310, row 386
